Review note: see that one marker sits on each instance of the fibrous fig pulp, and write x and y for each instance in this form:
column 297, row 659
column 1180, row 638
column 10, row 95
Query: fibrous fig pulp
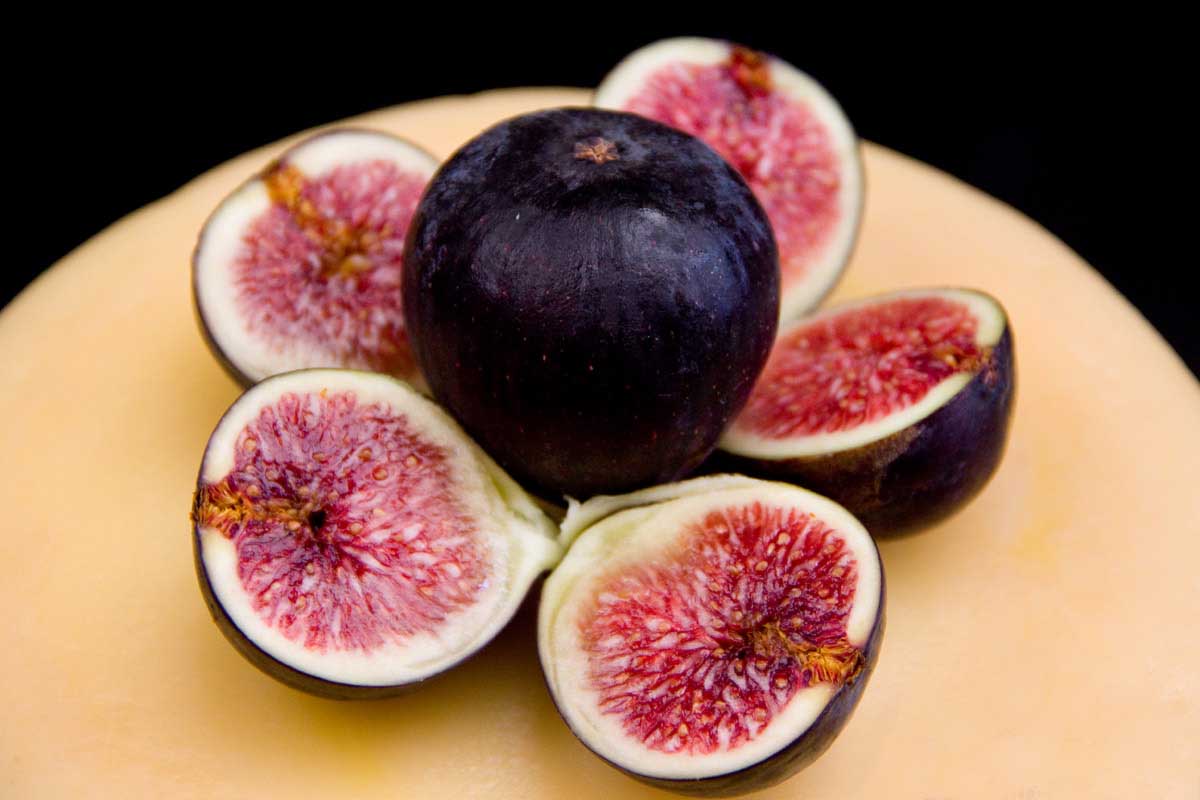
column 896, row 406
column 711, row 637
column 782, row 131
column 350, row 540
column 592, row 295
column 301, row 266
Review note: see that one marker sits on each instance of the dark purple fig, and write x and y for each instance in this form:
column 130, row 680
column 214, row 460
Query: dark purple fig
column 711, row 637
column 592, row 295
column 351, row 541
column 896, row 406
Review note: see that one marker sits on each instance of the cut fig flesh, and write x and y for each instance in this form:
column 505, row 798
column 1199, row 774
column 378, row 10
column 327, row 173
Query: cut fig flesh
column 778, row 127
column 301, row 266
column 351, row 540
column 712, row 636
column 896, row 406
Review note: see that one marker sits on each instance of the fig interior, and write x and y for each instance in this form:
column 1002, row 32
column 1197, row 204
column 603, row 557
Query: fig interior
column 300, row 267
column 854, row 374
column 348, row 531
column 706, row 634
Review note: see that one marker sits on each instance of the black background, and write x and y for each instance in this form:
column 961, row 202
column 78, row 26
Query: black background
column 1060, row 125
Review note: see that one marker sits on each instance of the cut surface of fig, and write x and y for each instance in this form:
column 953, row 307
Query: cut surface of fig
column 592, row 295
column 715, row 638
column 351, row 540
column 301, row 266
column 778, row 127
column 896, row 406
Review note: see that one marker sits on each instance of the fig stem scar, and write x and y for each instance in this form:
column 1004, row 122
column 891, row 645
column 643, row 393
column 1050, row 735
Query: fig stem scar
column 598, row 150
column 343, row 248
column 750, row 70
column 839, row 662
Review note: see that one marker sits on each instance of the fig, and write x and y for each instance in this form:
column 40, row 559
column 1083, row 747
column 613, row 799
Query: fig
column 592, row 295
column 896, row 406
column 300, row 267
column 350, row 540
column 783, row 132
column 711, row 637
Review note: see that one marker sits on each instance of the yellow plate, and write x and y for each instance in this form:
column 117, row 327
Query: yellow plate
column 1041, row 644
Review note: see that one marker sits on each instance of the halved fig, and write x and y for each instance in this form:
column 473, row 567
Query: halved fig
column 896, row 406
column 350, row 539
column 783, row 132
column 711, row 637
column 301, row 266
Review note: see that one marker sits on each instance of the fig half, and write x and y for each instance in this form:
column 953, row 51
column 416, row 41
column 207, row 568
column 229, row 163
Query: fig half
column 711, row 637
column 896, row 406
column 350, row 540
column 301, row 266
column 778, row 127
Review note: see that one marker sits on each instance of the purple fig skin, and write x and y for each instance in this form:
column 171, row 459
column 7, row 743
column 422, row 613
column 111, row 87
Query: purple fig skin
column 593, row 318
column 918, row 476
column 793, row 758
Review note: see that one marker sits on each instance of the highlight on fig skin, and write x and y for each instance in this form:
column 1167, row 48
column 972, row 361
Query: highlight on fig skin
column 896, row 406
column 711, row 637
column 350, row 541
column 301, row 266
column 778, row 128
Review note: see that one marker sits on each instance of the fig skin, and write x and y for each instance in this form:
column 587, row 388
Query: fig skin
column 918, row 476
column 593, row 324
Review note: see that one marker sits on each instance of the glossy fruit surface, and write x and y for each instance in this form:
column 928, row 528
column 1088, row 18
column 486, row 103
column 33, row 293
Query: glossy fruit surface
column 592, row 295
